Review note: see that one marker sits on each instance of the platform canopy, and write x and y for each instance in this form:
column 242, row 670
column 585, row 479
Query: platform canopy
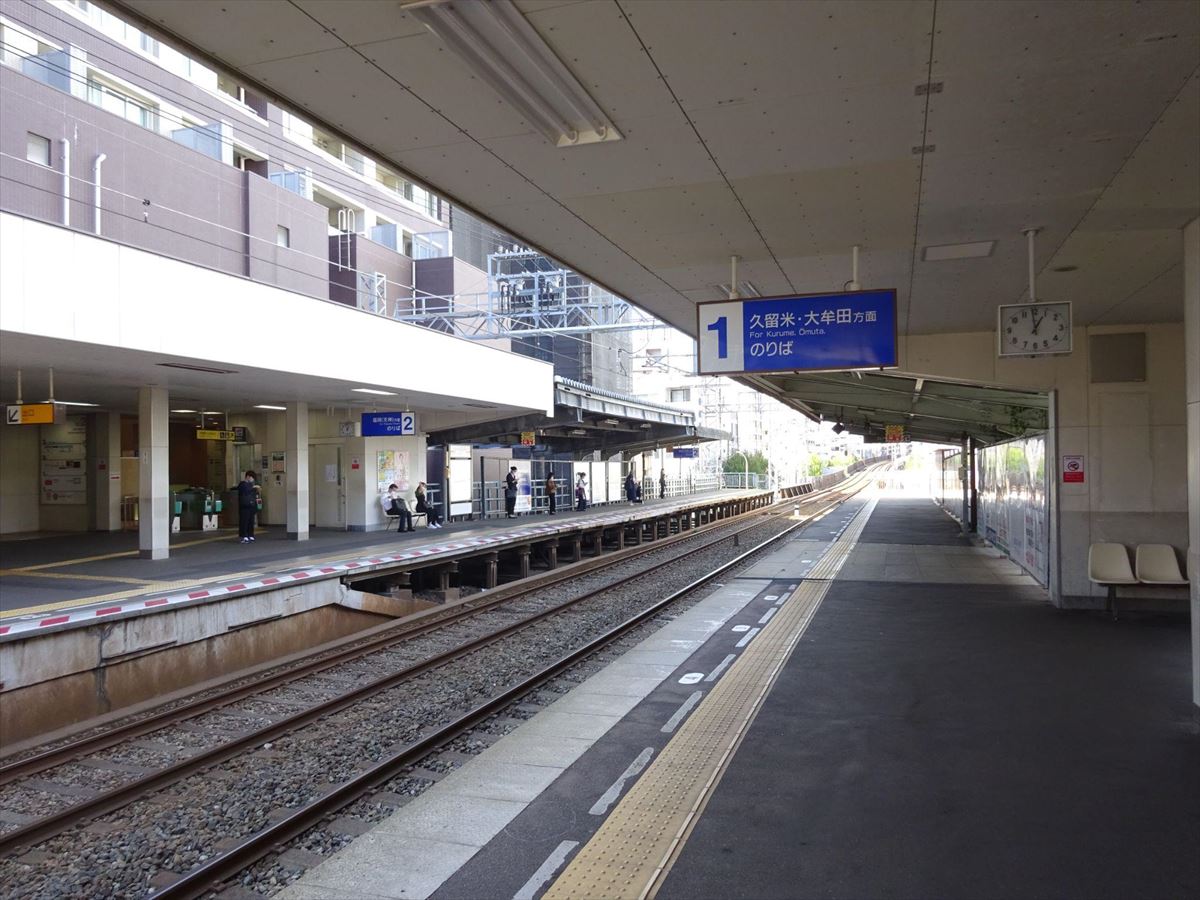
column 586, row 419
column 866, row 403
column 643, row 146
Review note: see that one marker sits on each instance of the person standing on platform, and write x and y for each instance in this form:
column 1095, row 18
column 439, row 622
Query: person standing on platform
column 510, row 493
column 247, row 507
column 581, row 492
column 631, row 487
column 393, row 505
column 432, row 517
column 551, row 491
column 662, row 484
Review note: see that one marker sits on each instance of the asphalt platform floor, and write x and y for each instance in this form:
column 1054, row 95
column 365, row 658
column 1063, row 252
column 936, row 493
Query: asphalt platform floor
column 951, row 740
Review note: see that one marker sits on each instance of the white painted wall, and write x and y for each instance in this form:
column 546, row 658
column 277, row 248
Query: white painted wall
column 1133, row 436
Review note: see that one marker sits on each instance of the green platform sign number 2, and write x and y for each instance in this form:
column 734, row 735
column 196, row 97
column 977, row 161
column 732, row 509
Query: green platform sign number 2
column 721, row 327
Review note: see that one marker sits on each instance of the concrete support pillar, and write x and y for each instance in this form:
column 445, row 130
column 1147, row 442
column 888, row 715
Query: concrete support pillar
column 552, row 554
column 154, row 515
column 576, row 547
column 297, row 471
column 107, row 468
column 620, row 537
column 491, row 570
column 523, row 561
column 1191, row 327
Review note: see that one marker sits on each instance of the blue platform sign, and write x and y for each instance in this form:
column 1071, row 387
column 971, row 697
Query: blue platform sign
column 852, row 330
column 388, row 424
column 685, row 452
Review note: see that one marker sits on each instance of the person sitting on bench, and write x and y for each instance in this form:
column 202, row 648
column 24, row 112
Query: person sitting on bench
column 393, row 505
column 424, row 505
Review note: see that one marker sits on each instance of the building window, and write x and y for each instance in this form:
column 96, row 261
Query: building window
column 283, row 236
column 37, row 149
column 681, row 395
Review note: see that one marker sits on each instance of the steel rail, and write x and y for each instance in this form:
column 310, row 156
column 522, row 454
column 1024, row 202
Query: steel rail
column 353, row 648
column 109, row 801
column 211, row 875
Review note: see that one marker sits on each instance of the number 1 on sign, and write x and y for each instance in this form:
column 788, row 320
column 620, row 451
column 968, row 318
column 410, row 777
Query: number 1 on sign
column 721, row 327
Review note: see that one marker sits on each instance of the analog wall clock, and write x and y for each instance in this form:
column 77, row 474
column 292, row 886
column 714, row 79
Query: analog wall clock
column 1034, row 329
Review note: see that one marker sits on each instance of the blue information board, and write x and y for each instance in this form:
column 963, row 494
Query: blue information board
column 852, row 330
column 685, row 453
column 389, row 423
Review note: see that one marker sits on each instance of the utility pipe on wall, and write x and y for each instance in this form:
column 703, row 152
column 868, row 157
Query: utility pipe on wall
column 66, row 182
column 96, row 183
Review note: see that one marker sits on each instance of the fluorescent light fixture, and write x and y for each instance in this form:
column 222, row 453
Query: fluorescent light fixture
column 209, row 369
column 70, row 403
column 500, row 46
column 745, row 289
column 577, row 431
column 373, row 391
column 269, row 406
column 609, row 422
column 181, row 411
column 943, row 252
column 213, row 412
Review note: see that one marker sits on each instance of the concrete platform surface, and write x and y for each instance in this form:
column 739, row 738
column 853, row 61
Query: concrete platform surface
column 77, row 571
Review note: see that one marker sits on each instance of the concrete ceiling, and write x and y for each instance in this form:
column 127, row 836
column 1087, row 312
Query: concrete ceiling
column 786, row 132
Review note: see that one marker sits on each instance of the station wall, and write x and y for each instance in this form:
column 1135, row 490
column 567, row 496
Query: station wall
column 1132, row 435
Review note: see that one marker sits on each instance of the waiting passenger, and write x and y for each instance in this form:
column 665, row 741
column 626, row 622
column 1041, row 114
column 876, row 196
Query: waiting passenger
column 581, row 492
column 247, row 507
column 662, row 484
column 631, row 487
column 432, row 516
column 510, row 493
column 551, row 491
column 394, row 505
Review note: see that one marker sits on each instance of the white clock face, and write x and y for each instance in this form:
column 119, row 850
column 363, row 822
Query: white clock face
column 1033, row 329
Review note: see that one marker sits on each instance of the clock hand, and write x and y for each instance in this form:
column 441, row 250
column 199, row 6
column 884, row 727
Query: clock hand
column 1038, row 323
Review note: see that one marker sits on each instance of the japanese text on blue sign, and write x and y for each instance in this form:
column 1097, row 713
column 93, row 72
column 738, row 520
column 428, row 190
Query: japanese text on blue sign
column 384, row 424
column 782, row 334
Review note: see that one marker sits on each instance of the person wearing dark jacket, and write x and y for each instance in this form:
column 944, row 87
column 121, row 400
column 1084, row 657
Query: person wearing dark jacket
column 631, row 488
column 510, row 493
column 247, row 507
column 662, row 484
column 433, row 518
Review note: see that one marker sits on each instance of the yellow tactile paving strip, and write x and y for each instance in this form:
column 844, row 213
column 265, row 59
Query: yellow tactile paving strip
column 634, row 848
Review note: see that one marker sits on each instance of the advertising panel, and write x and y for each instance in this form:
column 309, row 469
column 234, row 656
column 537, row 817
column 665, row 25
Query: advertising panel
column 524, row 485
column 391, row 467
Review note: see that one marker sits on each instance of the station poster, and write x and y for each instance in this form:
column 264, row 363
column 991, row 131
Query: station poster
column 524, row 485
column 391, row 467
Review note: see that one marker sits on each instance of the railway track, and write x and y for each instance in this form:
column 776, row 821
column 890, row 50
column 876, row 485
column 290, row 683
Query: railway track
column 508, row 612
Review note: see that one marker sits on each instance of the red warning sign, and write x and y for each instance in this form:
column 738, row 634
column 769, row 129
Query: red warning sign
column 1072, row 469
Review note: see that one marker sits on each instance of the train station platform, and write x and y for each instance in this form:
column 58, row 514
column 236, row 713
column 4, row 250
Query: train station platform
column 60, row 580
column 879, row 708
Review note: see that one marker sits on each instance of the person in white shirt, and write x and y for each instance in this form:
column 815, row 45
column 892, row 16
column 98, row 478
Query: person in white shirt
column 393, row 505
